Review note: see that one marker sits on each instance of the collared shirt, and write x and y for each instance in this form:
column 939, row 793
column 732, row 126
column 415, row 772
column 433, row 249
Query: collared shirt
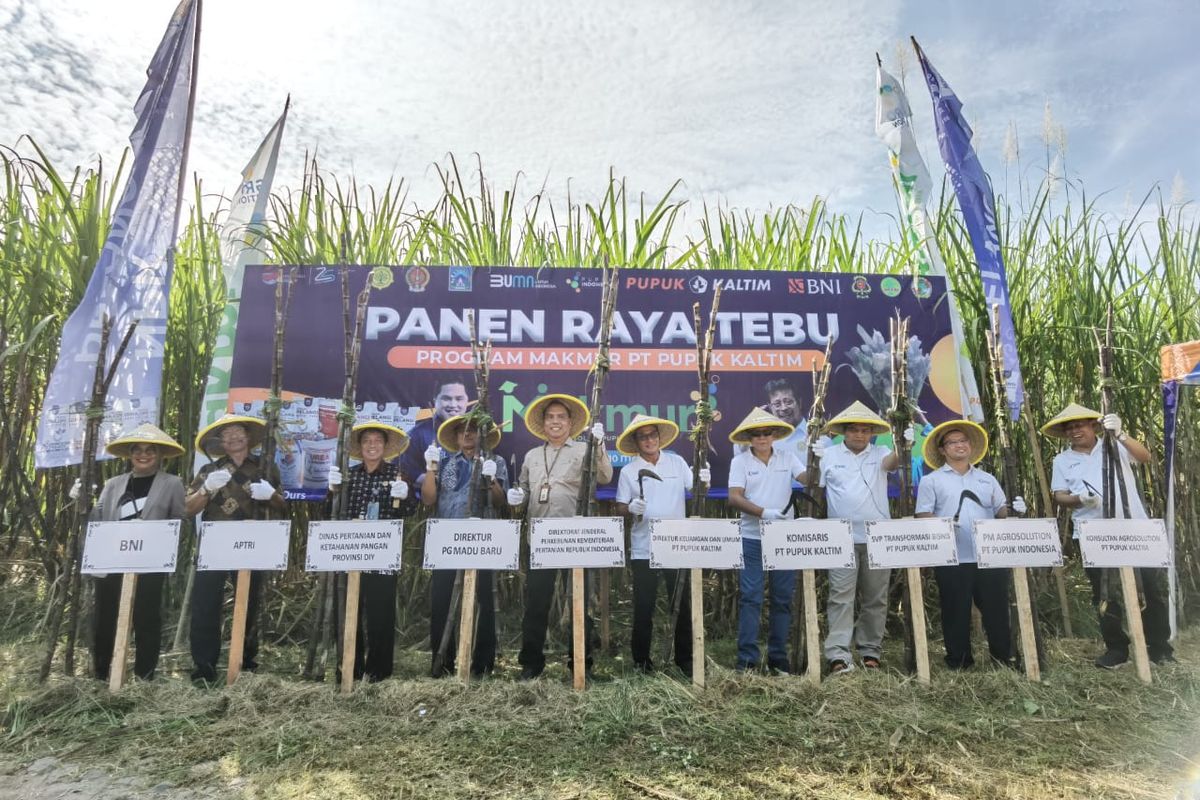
column 369, row 494
column 562, row 469
column 664, row 499
column 1077, row 472
column 941, row 493
column 233, row 501
column 768, row 485
column 420, row 436
column 454, row 486
column 855, row 486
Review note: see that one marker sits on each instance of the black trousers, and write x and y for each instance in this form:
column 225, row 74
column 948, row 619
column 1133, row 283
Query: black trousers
column 483, row 658
column 539, row 593
column 1155, row 620
column 147, row 623
column 208, row 596
column 645, row 594
column 375, row 645
column 960, row 586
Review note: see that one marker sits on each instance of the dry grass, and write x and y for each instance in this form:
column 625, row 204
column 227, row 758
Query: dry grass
column 1082, row 733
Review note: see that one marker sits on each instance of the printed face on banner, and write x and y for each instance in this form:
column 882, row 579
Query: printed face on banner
column 770, row 336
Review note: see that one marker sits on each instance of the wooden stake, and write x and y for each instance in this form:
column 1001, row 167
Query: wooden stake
column 237, row 639
column 812, row 626
column 1133, row 615
column 578, row 632
column 116, row 670
column 466, row 625
column 916, row 600
column 1033, row 669
column 350, row 630
column 696, row 584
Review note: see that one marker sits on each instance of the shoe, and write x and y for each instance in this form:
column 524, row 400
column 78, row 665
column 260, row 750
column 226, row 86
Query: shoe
column 530, row 673
column 779, row 670
column 1112, row 659
column 871, row 662
column 1164, row 658
column 744, row 666
column 644, row 667
column 839, row 667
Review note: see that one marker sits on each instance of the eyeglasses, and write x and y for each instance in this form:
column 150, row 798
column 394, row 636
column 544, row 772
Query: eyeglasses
column 758, row 434
column 952, row 442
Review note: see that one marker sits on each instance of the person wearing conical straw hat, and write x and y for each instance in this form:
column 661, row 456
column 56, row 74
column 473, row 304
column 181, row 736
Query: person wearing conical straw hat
column 760, row 486
column 233, row 486
column 144, row 492
column 854, row 475
column 957, row 488
column 549, row 485
column 446, row 488
column 376, row 489
column 1077, row 483
column 653, row 485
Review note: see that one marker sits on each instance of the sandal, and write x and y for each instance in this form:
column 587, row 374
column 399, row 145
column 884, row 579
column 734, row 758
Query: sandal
column 870, row 662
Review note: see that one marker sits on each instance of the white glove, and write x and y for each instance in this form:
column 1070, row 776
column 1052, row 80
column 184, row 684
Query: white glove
column 216, row 480
column 1111, row 423
column 516, row 496
column 488, row 469
column 75, row 487
column 1018, row 505
column 706, row 476
column 335, row 477
column 598, row 432
column 910, row 435
column 433, row 455
column 637, row 506
column 818, row 449
column 399, row 489
column 1089, row 500
column 773, row 513
column 262, row 490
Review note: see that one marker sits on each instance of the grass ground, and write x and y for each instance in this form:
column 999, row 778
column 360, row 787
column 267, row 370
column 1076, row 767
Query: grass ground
column 1082, row 733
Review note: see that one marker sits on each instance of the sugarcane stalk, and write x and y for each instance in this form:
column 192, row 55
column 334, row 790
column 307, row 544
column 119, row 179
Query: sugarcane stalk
column 69, row 580
column 900, row 418
column 700, row 437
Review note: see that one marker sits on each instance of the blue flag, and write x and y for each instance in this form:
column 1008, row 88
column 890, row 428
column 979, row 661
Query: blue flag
column 974, row 193
column 132, row 277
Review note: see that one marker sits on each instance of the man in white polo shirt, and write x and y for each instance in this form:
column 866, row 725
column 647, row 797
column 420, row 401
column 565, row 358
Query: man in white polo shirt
column 645, row 499
column 956, row 488
column 760, row 486
column 854, row 475
column 1077, row 483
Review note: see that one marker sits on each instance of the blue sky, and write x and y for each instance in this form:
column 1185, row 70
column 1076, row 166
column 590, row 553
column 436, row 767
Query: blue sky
column 752, row 105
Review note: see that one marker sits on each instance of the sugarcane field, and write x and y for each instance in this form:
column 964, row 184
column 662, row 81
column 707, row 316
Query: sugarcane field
column 599, row 402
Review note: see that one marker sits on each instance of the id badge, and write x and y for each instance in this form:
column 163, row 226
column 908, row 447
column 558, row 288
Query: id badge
column 544, row 494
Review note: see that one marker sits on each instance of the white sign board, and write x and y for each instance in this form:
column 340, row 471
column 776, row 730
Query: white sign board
column 1008, row 543
column 473, row 544
column 249, row 544
column 689, row 543
column 131, row 546
column 1124, row 543
column 354, row 545
column 807, row 544
column 898, row 543
column 567, row 542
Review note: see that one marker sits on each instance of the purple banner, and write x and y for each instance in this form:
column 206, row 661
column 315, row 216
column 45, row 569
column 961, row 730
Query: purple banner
column 416, row 359
column 974, row 193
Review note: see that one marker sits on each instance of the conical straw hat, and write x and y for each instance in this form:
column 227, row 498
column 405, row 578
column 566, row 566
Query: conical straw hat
column 208, row 440
column 975, row 434
column 757, row 418
column 145, row 434
column 395, row 441
column 447, row 434
column 856, row 414
column 579, row 414
column 1074, row 411
column 667, row 432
